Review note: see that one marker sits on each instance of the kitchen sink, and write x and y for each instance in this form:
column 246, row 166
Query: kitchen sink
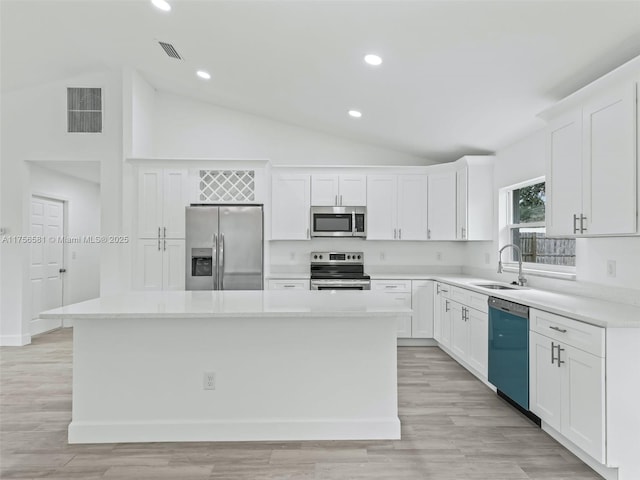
column 495, row 286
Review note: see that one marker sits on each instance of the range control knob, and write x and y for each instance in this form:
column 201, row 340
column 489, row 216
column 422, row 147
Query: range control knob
column 315, row 256
column 348, row 257
column 320, row 257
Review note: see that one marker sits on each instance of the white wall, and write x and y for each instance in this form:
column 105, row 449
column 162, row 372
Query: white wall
column 34, row 128
column 189, row 128
column 82, row 260
column 525, row 160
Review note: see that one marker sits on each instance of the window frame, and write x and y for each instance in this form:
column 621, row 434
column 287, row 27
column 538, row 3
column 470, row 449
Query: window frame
column 505, row 235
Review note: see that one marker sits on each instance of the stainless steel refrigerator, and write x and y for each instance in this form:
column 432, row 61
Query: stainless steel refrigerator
column 224, row 247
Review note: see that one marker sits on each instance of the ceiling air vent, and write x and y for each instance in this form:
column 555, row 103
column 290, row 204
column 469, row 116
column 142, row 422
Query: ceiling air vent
column 170, row 50
column 84, row 110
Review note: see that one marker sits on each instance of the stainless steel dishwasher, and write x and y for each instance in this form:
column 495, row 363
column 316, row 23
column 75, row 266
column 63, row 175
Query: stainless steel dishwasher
column 509, row 352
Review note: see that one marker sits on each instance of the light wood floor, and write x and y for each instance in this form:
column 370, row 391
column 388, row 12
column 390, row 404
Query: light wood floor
column 453, row 427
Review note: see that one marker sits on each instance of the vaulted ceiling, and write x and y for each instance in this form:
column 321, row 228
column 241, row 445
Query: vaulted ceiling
column 458, row 77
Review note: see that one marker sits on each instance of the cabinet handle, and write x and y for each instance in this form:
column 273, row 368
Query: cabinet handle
column 395, row 231
column 289, row 286
column 391, row 286
column 582, row 222
column 158, row 238
column 560, row 349
column 428, row 234
column 446, row 305
column 553, row 346
column 558, row 329
column 438, row 289
column 399, row 234
column 335, row 202
column 308, row 232
column 340, row 200
column 575, row 221
column 464, row 231
column 445, row 291
column 165, row 232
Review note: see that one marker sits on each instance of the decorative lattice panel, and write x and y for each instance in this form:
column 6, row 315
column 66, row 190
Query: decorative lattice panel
column 237, row 186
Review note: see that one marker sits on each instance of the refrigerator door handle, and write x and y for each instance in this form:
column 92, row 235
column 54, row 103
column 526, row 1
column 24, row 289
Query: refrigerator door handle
column 221, row 264
column 214, row 258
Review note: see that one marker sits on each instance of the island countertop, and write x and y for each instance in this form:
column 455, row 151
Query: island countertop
column 212, row 304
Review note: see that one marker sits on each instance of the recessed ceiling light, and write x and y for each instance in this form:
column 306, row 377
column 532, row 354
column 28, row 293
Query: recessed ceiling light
column 203, row 74
column 162, row 5
column 355, row 113
column 373, row 59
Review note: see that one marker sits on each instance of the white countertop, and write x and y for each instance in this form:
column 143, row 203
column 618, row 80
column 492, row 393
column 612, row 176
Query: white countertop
column 589, row 310
column 216, row 304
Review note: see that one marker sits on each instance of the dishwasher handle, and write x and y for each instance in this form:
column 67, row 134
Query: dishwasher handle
column 509, row 307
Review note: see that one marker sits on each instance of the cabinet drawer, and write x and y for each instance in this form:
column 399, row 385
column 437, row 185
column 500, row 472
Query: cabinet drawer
column 391, row 285
column 443, row 290
column 402, row 299
column 470, row 299
column 570, row 332
column 297, row 284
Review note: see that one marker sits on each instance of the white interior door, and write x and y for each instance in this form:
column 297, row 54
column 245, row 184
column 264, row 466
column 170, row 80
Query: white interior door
column 47, row 258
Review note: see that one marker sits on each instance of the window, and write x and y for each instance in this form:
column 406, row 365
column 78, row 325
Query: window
column 525, row 226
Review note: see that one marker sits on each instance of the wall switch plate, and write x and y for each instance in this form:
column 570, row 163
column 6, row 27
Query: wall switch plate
column 611, row 268
column 209, row 381
column 439, row 256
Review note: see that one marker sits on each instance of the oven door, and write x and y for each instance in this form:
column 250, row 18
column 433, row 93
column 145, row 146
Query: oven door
column 324, row 284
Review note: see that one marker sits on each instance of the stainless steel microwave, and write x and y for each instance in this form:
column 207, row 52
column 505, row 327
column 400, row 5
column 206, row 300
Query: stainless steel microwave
column 338, row 222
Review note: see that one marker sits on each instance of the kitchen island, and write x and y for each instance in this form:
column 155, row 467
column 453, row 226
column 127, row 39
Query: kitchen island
column 233, row 366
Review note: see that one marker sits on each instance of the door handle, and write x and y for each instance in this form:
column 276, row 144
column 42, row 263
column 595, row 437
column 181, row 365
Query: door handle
column 221, row 273
column 215, row 258
column 560, row 349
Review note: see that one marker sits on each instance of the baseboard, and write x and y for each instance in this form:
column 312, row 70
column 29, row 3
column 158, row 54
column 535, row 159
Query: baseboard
column 14, row 340
column 234, row 431
column 417, row 342
column 41, row 325
column 605, row 472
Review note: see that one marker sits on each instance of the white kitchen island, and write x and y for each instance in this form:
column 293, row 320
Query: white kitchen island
column 286, row 365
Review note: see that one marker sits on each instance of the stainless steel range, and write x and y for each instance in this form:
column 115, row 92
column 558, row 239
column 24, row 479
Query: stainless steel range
column 338, row 271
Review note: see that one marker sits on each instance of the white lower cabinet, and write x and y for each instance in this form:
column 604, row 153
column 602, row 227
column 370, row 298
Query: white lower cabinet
column 469, row 336
column 400, row 292
column 567, row 384
column 446, row 319
column 422, row 303
column 160, row 265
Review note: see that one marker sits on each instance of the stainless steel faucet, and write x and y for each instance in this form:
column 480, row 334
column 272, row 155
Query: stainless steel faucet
column 521, row 279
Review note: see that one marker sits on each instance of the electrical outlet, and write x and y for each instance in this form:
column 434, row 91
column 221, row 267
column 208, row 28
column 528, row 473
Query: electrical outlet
column 611, row 268
column 209, row 381
column 439, row 256
column 487, row 258
column 382, row 256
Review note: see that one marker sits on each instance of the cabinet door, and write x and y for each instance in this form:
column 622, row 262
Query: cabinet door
column 459, row 331
column 583, row 400
column 610, row 163
column 148, row 274
column 353, row 190
column 150, row 183
column 173, row 264
column 412, row 207
column 478, row 353
column 175, row 198
column 437, row 312
column 564, row 167
column 324, row 190
column 446, row 319
column 544, row 380
column 381, row 207
column 441, row 206
column 422, row 302
column 290, row 210
column 461, row 203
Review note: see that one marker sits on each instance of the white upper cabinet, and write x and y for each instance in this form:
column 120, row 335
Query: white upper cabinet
column 412, row 207
column 397, row 207
column 592, row 165
column 382, row 210
column 162, row 198
column 474, row 198
column 338, row 190
column 441, row 206
column 290, row 207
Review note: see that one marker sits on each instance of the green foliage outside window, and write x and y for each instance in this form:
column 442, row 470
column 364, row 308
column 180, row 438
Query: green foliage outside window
column 528, row 204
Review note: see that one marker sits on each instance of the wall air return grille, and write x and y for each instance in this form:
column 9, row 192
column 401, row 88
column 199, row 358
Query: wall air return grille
column 84, row 110
column 229, row 186
column 170, row 50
